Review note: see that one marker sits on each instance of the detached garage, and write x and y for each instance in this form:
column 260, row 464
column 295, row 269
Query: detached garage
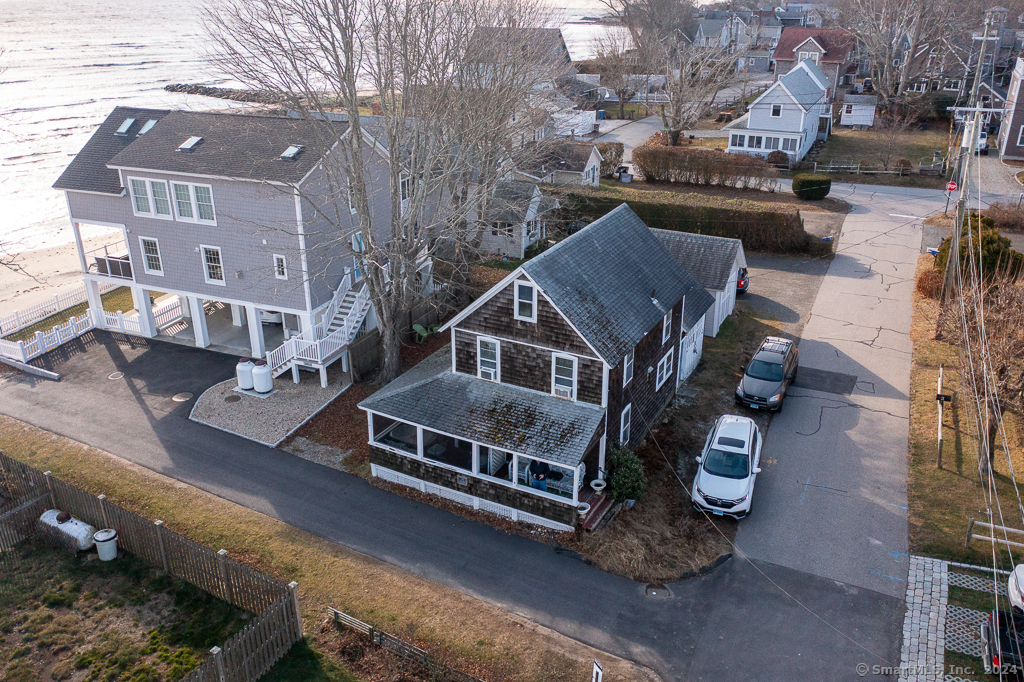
column 859, row 110
column 715, row 263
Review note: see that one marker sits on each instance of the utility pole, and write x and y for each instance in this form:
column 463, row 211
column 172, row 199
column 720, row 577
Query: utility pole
column 971, row 132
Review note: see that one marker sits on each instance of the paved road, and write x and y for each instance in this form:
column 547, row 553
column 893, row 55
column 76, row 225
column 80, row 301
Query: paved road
column 831, row 500
column 747, row 620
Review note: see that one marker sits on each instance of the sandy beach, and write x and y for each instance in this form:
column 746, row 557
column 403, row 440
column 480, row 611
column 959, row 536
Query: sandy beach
column 53, row 270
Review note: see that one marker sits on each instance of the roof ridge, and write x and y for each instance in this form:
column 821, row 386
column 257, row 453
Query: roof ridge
column 559, row 245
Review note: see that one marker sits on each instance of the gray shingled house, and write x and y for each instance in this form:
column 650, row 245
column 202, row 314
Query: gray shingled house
column 576, row 348
column 715, row 262
column 564, row 163
column 516, row 218
column 222, row 213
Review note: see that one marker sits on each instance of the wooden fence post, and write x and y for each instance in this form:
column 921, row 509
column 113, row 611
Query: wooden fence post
column 218, row 659
column 103, row 510
column 49, row 487
column 160, row 541
column 293, row 588
column 225, row 579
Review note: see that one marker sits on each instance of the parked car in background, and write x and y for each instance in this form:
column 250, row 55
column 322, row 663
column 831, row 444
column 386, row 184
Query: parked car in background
column 769, row 374
column 728, row 467
column 1014, row 585
column 742, row 282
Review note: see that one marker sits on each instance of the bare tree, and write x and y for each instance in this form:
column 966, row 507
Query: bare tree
column 449, row 77
column 889, row 135
column 693, row 80
column 624, row 67
column 666, row 23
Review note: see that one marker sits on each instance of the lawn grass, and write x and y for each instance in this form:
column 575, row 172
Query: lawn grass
column 632, row 111
column 439, row 619
column 63, row 617
column 113, row 301
column 857, row 145
column 942, row 500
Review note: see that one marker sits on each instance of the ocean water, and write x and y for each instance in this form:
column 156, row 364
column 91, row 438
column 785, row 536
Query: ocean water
column 67, row 63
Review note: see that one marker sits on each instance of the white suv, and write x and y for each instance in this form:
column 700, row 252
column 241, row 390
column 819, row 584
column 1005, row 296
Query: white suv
column 724, row 484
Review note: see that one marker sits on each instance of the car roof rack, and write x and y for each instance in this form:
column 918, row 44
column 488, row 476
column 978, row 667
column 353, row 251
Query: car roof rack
column 775, row 344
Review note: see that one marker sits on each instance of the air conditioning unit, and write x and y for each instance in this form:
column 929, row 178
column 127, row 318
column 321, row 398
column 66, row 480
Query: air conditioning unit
column 563, row 393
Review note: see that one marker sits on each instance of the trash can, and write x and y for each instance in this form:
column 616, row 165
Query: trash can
column 600, row 114
column 261, row 379
column 106, row 544
column 244, row 373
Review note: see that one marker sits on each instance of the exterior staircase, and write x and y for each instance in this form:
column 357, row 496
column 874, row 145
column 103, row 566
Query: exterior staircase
column 327, row 341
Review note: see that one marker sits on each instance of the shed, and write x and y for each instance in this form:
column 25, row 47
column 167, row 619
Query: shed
column 859, row 110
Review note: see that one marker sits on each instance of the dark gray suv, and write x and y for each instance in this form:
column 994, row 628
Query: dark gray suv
column 770, row 372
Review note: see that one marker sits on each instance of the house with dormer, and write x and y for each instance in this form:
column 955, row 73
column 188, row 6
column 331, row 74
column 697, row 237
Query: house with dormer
column 789, row 116
column 224, row 216
column 577, row 348
column 833, row 51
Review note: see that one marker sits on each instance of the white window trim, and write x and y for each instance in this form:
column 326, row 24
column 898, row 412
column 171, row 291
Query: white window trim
column 284, row 263
column 145, row 263
column 405, row 187
column 358, row 245
column 575, row 372
column 666, row 326
column 150, row 198
column 351, row 203
column 627, row 368
column 664, row 369
column 1020, row 137
column 195, row 204
column 803, row 56
column 515, row 301
column 625, row 419
column 778, row 115
column 206, row 269
column 497, row 358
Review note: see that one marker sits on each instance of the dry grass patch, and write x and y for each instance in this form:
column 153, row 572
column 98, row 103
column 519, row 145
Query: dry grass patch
column 942, row 500
column 442, row 620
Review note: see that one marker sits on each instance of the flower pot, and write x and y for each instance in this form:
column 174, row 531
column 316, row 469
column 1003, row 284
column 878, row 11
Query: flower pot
column 582, row 509
column 598, row 486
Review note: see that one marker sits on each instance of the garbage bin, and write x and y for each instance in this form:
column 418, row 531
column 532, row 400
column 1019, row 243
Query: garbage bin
column 600, row 114
column 106, row 544
column 244, row 373
column 262, row 381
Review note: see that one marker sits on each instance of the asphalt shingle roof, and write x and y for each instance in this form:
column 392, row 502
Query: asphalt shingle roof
column 510, row 202
column 870, row 100
column 602, row 278
column 497, row 415
column 804, row 88
column 709, row 259
column 550, row 157
column 88, row 171
column 234, row 145
column 837, row 42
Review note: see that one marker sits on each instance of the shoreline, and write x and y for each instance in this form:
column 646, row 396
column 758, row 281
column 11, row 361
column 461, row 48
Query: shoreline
column 55, row 269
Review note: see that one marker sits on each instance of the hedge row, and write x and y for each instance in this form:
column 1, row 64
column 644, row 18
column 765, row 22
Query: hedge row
column 703, row 167
column 759, row 230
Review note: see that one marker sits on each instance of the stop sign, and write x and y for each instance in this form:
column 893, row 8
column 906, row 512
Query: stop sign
column 951, row 186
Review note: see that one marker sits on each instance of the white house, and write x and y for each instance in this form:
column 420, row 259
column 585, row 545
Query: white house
column 790, row 115
column 715, row 262
column 516, row 218
column 859, row 110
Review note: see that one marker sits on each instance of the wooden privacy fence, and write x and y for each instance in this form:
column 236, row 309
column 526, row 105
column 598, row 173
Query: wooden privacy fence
column 244, row 657
column 400, row 647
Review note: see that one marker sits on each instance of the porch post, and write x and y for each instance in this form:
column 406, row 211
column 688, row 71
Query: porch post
column 237, row 315
column 199, row 328
column 147, row 323
column 323, row 377
column 80, row 246
column 600, row 456
column 295, row 374
column 476, row 458
column 256, row 342
column 515, row 470
column 575, row 485
column 92, row 293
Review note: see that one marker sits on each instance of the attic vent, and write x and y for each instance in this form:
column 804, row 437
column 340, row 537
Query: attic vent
column 292, row 152
column 123, row 130
column 190, row 144
column 149, row 126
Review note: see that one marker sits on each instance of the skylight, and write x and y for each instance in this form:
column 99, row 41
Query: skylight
column 292, row 152
column 190, row 144
column 123, row 130
column 149, row 125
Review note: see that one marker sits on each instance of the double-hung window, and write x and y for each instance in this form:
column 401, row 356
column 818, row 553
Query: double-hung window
column 488, row 359
column 1020, row 137
column 666, row 326
column 664, row 370
column 754, row 141
column 771, row 143
column 280, row 267
column 776, row 110
column 150, row 198
column 737, row 140
column 151, row 256
column 563, row 376
column 627, row 369
column 789, row 144
column 194, row 203
column 213, row 265
column 625, row 421
column 526, row 302
column 803, row 56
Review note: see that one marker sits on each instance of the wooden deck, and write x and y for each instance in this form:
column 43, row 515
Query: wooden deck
column 600, row 505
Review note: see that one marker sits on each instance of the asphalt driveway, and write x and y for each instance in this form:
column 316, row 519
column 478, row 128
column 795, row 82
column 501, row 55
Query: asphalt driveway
column 749, row 620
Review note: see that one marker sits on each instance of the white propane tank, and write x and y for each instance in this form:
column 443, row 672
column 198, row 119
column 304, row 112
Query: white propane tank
column 261, row 379
column 244, row 373
column 68, row 525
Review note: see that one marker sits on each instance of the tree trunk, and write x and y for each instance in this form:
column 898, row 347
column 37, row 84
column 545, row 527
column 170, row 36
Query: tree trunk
column 622, row 108
column 673, row 137
column 391, row 349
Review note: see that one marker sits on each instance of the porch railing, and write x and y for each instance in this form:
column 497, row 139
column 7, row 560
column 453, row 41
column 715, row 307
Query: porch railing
column 168, row 313
column 111, row 260
column 317, row 351
column 20, row 319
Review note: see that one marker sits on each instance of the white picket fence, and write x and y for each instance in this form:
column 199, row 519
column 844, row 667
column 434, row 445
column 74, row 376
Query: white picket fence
column 23, row 351
column 20, row 319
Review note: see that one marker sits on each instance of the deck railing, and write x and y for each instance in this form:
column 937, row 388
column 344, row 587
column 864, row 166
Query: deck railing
column 317, row 351
column 20, row 319
column 111, row 260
